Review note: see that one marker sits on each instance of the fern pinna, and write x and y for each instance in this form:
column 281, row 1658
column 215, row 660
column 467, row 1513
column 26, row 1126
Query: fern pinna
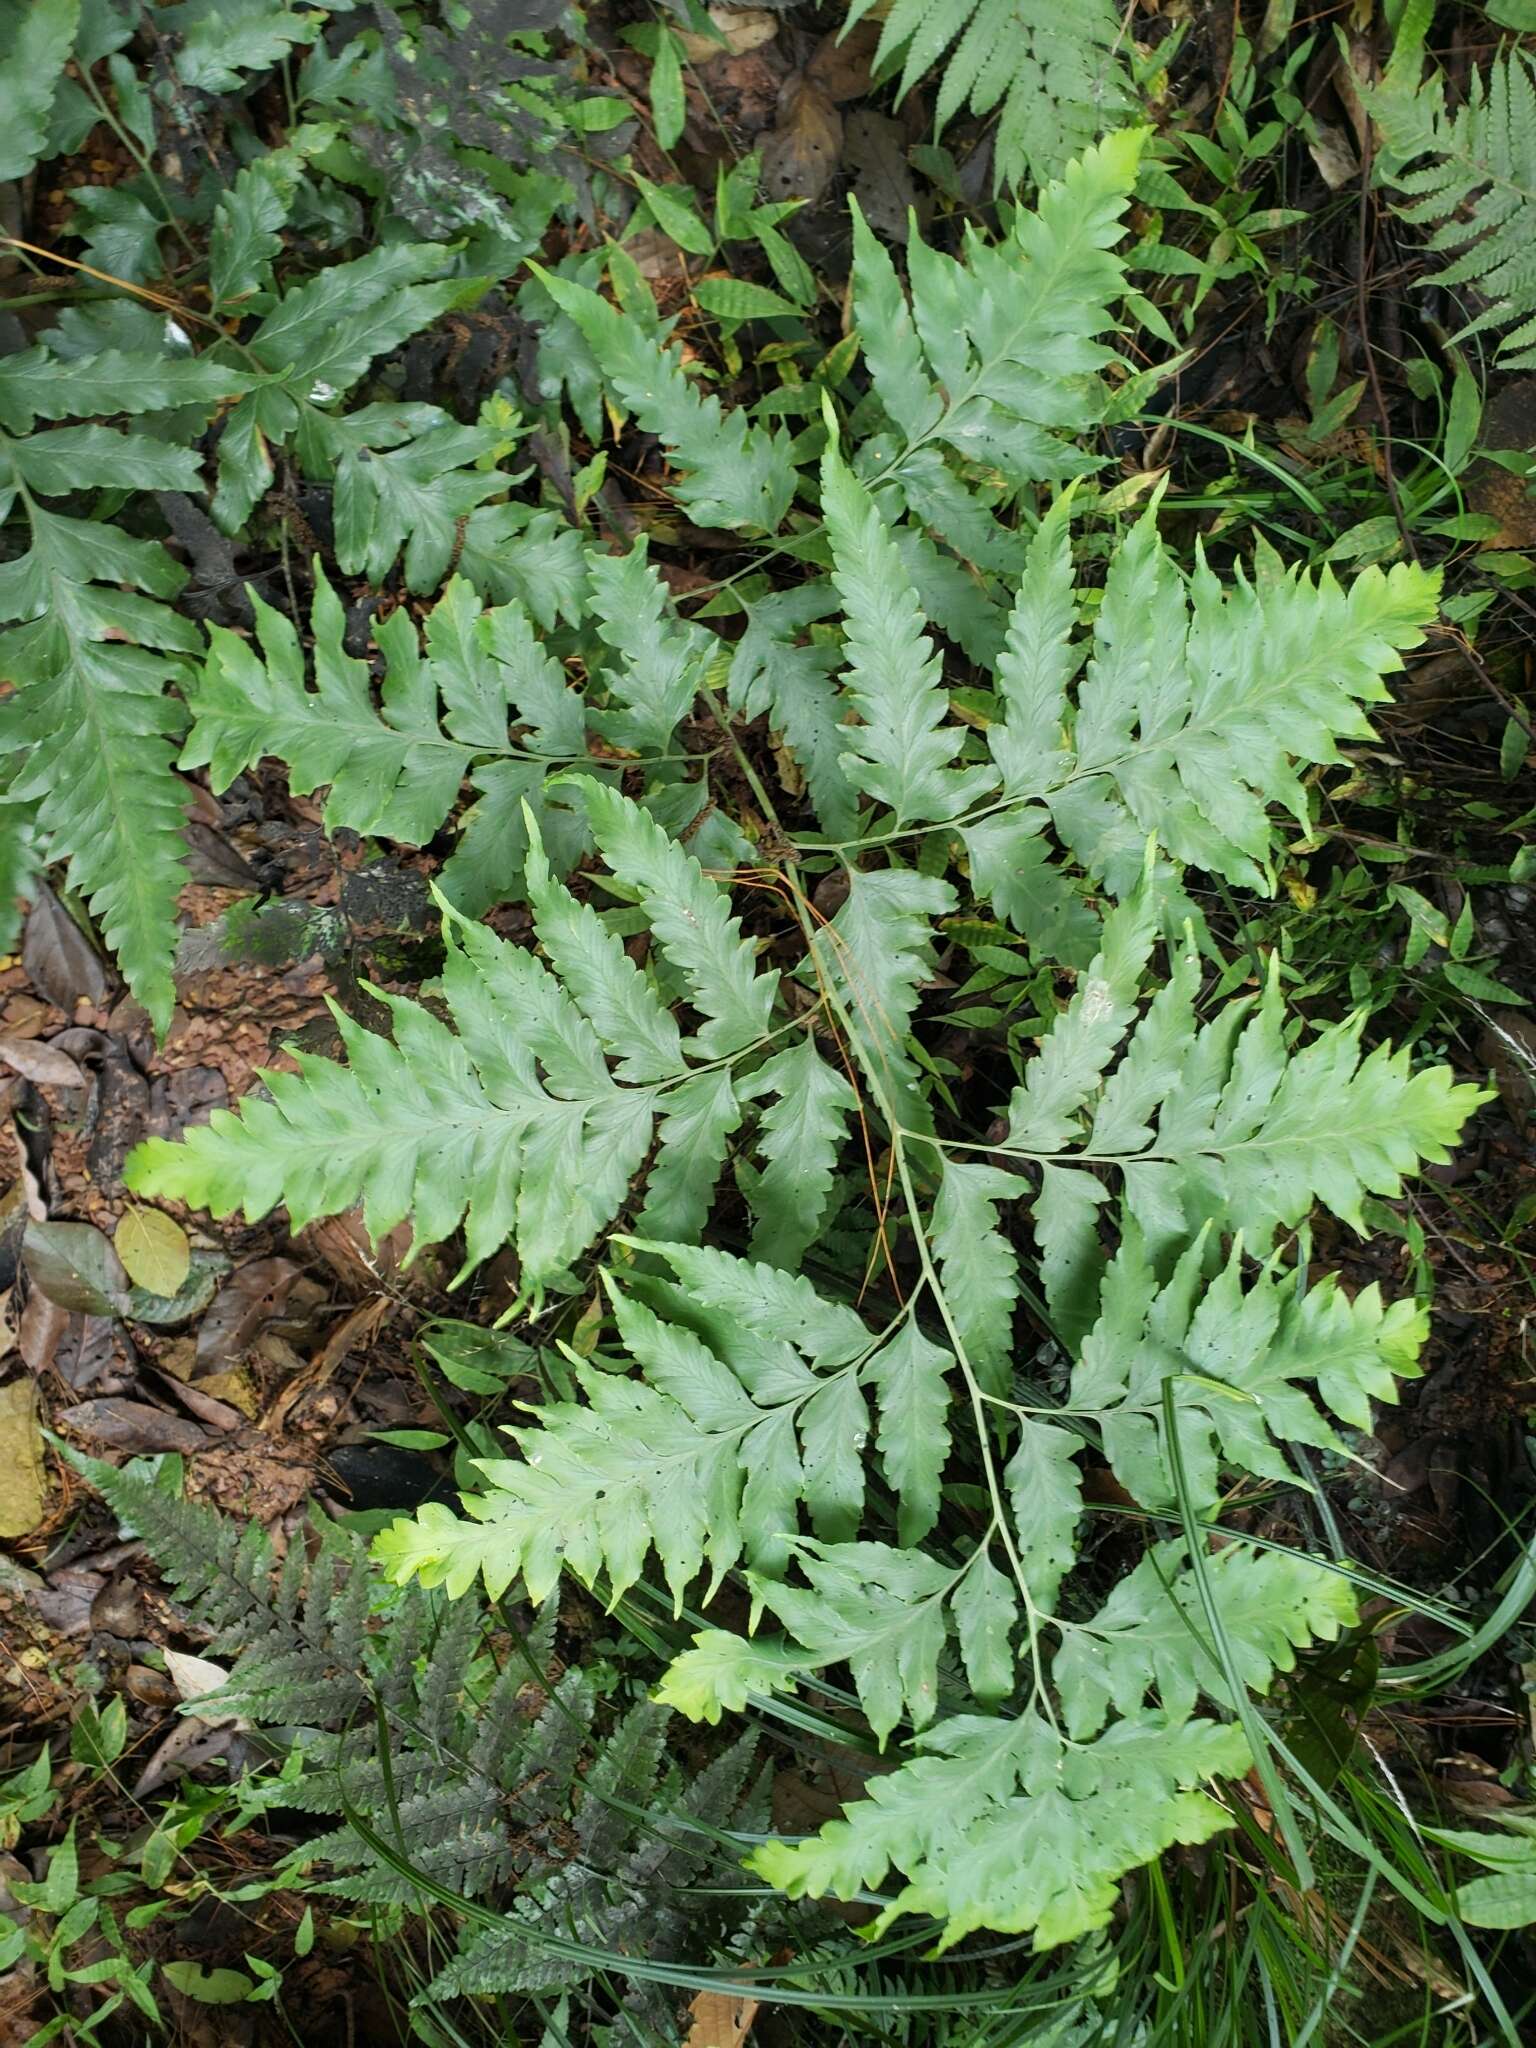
column 726, row 1056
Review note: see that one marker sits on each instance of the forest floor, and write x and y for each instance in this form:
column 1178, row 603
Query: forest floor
column 286, row 1355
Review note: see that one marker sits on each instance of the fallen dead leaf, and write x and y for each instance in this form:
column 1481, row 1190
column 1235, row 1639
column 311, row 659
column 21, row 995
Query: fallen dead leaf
column 235, row 1389
column 841, row 64
column 737, row 30
column 23, row 1484
column 195, row 1678
column 75, row 1266
column 720, row 2019
column 1331, row 151
column 132, row 1426
column 800, row 155
column 246, row 1303
column 45, row 1064
column 875, row 150
column 60, row 961
column 190, row 1743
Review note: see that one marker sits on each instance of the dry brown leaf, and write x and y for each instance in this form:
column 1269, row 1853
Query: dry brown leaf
column 801, row 154
column 841, row 64
column 738, row 30
column 45, row 1064
column 132, row 1426
column 721, row 2019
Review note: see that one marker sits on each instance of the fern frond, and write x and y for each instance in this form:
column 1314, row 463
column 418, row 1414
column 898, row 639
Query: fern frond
column 1216, row 1125
column 1151, row 1632
column 89, row 719
column 31, row 68
column 1245, row 1362
column 1001, row 1824
column 1478, row 193
column 1059, row 74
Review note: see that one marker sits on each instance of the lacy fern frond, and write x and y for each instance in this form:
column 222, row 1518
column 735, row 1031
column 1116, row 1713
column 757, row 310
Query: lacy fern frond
column 1477, row 192
column 1056, row 76
column 440, row 1759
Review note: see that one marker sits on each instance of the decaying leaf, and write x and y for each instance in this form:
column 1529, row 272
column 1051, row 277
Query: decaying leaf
column 35, row 1060
column 59, row 959
column 75, row 1266
column 23, row 1487
column 132, row 1426
column 800, row 155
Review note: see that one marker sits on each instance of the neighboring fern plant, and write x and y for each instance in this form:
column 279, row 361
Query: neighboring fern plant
column 90, row 636
column 1469, row 173
column 1055, row 76
column 1137, row 1157
column 454, row 1766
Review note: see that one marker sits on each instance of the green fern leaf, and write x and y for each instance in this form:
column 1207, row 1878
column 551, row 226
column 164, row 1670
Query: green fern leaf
column 1479, row 191
column 798, row 1136
column 616, row 999
column 1010, row 333
column 315, row 344
column 1245, row 1363
column 691, row 918
column 1001, row 1824
column 1247, row 1134
column 912, row 1397
column 1058, row 1082
column 31, row 67
column 737, row 476
column 870, row 960
column 396, row 768
column 661, row 662
column 902, row 752
column 1060, row 76
column 1045, row 1491
column 773, row 674
column 1152, row 1631
column 439, row 1128
column 91, row 719
column 37, row 385
column 980, row 1268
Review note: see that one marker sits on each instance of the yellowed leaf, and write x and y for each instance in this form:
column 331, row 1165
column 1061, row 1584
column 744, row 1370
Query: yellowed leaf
column 154, row 1251
column 23, row 1487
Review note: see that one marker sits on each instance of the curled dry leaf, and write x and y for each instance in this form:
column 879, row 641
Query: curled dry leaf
column 737, row 30
column 196, row 1677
